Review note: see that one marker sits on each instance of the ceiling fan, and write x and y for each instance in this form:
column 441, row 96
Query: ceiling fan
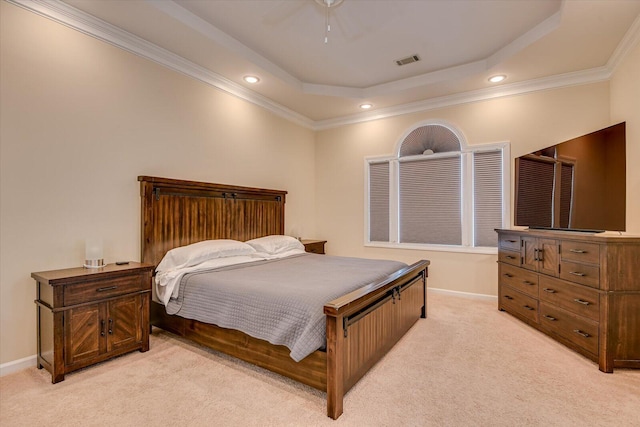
column 348, row 21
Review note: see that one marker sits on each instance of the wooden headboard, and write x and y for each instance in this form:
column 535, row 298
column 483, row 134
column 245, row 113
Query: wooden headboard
column 177, row 213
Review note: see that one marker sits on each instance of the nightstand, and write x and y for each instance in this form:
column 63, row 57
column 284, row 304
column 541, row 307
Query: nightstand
column 86, row 315
column 314, row 246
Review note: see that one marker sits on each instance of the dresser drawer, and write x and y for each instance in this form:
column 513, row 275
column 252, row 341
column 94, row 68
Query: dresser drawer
column 518, row 303
column 579, row 330
column 509, row 257
column 588, row 275
column 98, row 289
column 509, row 241
column 588, row 253
column 574, row 298
column 517, row 278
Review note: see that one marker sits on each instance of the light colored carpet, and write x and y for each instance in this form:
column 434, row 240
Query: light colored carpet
column 466, row 365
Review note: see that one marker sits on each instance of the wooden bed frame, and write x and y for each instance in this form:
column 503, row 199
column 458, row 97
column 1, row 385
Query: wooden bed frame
column 362, row 326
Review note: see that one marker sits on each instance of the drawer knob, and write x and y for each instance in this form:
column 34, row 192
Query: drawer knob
column 581, row 301
column 579, row 332
column 546, row 316
column 508, row 275
column 508, row 297
column 526, row 282
column 529, row 308
column 577, row 251
column 512, row 241
column 510, row 257
column 577, row 273
column 549, row 290
column 107, row 288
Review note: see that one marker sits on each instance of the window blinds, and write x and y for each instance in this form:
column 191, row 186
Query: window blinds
column 430, row 200
column 487, row 197
column 566, row 194
column 535, row 185
column 379, row 202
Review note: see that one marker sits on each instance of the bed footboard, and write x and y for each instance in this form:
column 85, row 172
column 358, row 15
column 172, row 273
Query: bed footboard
column 364, row 325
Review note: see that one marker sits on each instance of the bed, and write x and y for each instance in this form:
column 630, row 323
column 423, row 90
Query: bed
column 361, row 325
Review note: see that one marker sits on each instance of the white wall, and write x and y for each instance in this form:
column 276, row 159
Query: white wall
column 80, row 120
column 528, row 122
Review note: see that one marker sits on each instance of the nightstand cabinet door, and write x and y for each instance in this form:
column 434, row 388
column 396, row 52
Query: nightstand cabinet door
column 123, row 323
column 84, row 337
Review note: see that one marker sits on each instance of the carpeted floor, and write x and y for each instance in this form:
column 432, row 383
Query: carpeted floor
column 466, row 365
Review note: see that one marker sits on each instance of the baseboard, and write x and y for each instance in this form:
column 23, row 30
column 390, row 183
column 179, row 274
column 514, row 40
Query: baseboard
column 17, row 365
column 463, row 294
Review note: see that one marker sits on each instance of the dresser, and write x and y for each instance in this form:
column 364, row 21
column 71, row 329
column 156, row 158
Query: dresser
column 581, row 289
column 86, row 316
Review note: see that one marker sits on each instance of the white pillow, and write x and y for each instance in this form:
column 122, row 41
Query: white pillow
column 275, row 244
column 196, row 253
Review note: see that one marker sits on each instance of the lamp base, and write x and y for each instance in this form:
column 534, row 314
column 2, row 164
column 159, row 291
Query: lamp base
column 94, row 263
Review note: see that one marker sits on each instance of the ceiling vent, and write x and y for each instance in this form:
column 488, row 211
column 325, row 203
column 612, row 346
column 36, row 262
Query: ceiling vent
column 408, row 60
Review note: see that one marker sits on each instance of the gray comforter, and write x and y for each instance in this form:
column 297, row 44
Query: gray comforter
column 280, row 301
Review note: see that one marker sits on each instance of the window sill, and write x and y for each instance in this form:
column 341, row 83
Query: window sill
column 433, row 248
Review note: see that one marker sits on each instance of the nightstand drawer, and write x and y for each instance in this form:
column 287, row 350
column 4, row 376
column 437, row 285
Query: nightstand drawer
column 314, row 246
column 98, row 289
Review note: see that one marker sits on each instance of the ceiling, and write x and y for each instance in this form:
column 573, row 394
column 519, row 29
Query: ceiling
column 461, row 43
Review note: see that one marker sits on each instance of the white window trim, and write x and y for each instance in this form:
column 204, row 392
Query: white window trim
column 467, row 197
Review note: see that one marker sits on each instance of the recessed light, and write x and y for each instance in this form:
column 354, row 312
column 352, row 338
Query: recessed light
column 497, row 79
column 366, row 106
column 251, row 79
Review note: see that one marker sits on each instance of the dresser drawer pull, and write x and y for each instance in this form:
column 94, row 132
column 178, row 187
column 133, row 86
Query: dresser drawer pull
column 108, row 288
column 102, row 328
column 508, row 275
column 512, row 241
column 581, row 301
column 577, row 251
column 526, row 282
column 549, row 290
column 577, row 273
column 528, row 308
column 546, row 316
column 508, row 297
column 579, row 332
column 510, row 257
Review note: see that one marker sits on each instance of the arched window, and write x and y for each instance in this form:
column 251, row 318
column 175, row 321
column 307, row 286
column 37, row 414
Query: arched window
column 437, row 190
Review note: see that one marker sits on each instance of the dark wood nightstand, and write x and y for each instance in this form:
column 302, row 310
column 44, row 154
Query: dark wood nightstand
column 314, row 246
column 86, row 316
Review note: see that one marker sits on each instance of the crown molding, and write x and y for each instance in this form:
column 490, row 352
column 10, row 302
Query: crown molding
column 630, row 39
column 593, row 75
column 101, row 30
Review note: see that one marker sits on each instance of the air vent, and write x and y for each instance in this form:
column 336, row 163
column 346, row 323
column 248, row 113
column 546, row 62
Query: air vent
column 408, row 60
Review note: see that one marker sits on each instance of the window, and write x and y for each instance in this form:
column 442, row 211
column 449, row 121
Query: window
column 437, row 193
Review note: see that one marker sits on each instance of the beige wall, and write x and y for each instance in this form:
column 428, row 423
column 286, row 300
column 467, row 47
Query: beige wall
column 80, row 120
column 528, row 122
column 625, row 106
